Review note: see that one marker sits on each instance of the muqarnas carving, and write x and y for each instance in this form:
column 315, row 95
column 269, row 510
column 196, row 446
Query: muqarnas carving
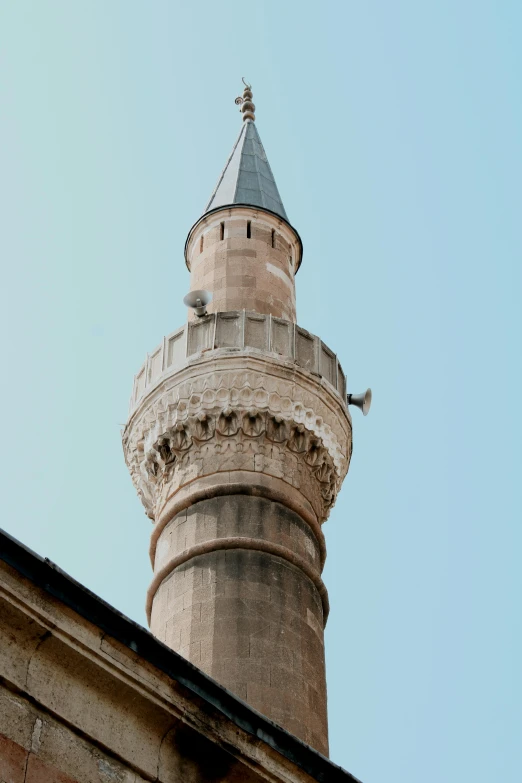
column 189, row 432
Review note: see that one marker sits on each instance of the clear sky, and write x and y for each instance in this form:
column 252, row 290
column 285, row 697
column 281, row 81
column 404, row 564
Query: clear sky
column 394, row 130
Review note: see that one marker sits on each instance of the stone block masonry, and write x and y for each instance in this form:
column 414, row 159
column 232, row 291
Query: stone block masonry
column 248, row 259
column 250, row 618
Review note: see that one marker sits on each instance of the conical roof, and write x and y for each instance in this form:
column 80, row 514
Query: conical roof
column 247, row 177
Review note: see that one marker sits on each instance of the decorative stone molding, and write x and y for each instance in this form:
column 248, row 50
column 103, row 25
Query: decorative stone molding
column 236, row 483
column 243, row 433
column 245, row 414
column 238, row 542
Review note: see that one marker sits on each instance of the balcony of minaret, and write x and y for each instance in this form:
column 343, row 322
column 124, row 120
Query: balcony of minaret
column 240, row 333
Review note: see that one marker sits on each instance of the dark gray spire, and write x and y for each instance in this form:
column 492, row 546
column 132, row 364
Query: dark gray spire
column 247, row 177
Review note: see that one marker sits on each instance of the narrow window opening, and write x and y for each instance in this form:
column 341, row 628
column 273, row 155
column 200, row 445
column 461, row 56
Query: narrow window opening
column 201, row 245
column 273, row 238
column 222, row 235
column 249, row 229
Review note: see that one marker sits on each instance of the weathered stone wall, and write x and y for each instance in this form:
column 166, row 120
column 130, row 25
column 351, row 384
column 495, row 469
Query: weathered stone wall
column 247, row 259
column 37, row 748
column 242, row 608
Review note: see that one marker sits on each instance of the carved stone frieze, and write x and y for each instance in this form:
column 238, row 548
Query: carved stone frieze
column 238, row 419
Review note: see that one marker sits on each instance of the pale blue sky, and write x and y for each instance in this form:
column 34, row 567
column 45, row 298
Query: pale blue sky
column 394, row 132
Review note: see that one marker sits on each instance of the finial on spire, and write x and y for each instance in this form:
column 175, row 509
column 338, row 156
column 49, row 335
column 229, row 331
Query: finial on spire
column 247, row 107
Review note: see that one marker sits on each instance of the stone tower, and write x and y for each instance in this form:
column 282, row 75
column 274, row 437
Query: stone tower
column 238, row 440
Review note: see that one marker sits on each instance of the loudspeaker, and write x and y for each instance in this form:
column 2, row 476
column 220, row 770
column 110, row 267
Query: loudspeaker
column 198, row 301
column 362, row 401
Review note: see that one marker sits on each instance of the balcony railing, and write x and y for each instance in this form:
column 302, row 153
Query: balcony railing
column 236, row 331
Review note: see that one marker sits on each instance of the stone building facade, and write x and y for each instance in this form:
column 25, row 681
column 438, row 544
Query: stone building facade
column 238, row 439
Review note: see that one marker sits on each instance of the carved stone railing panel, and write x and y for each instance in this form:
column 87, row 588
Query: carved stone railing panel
column 327, row 365
column 199, row 336
column 175, row 348
column 341, row 381
column 281, row 335
column 236, row 331
column 305, row 349
column 228, row 330
column 256, row 331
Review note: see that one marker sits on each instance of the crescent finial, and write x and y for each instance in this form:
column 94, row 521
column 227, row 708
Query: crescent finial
column 247, row 107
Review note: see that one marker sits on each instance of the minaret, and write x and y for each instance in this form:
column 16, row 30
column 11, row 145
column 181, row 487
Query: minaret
column 238, row 440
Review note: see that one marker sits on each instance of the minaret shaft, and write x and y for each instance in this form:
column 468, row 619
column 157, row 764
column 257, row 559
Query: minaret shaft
column 244, row 610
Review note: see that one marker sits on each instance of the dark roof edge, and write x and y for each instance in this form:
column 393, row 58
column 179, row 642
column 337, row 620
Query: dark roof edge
column 257, row 209
column 48, row 576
